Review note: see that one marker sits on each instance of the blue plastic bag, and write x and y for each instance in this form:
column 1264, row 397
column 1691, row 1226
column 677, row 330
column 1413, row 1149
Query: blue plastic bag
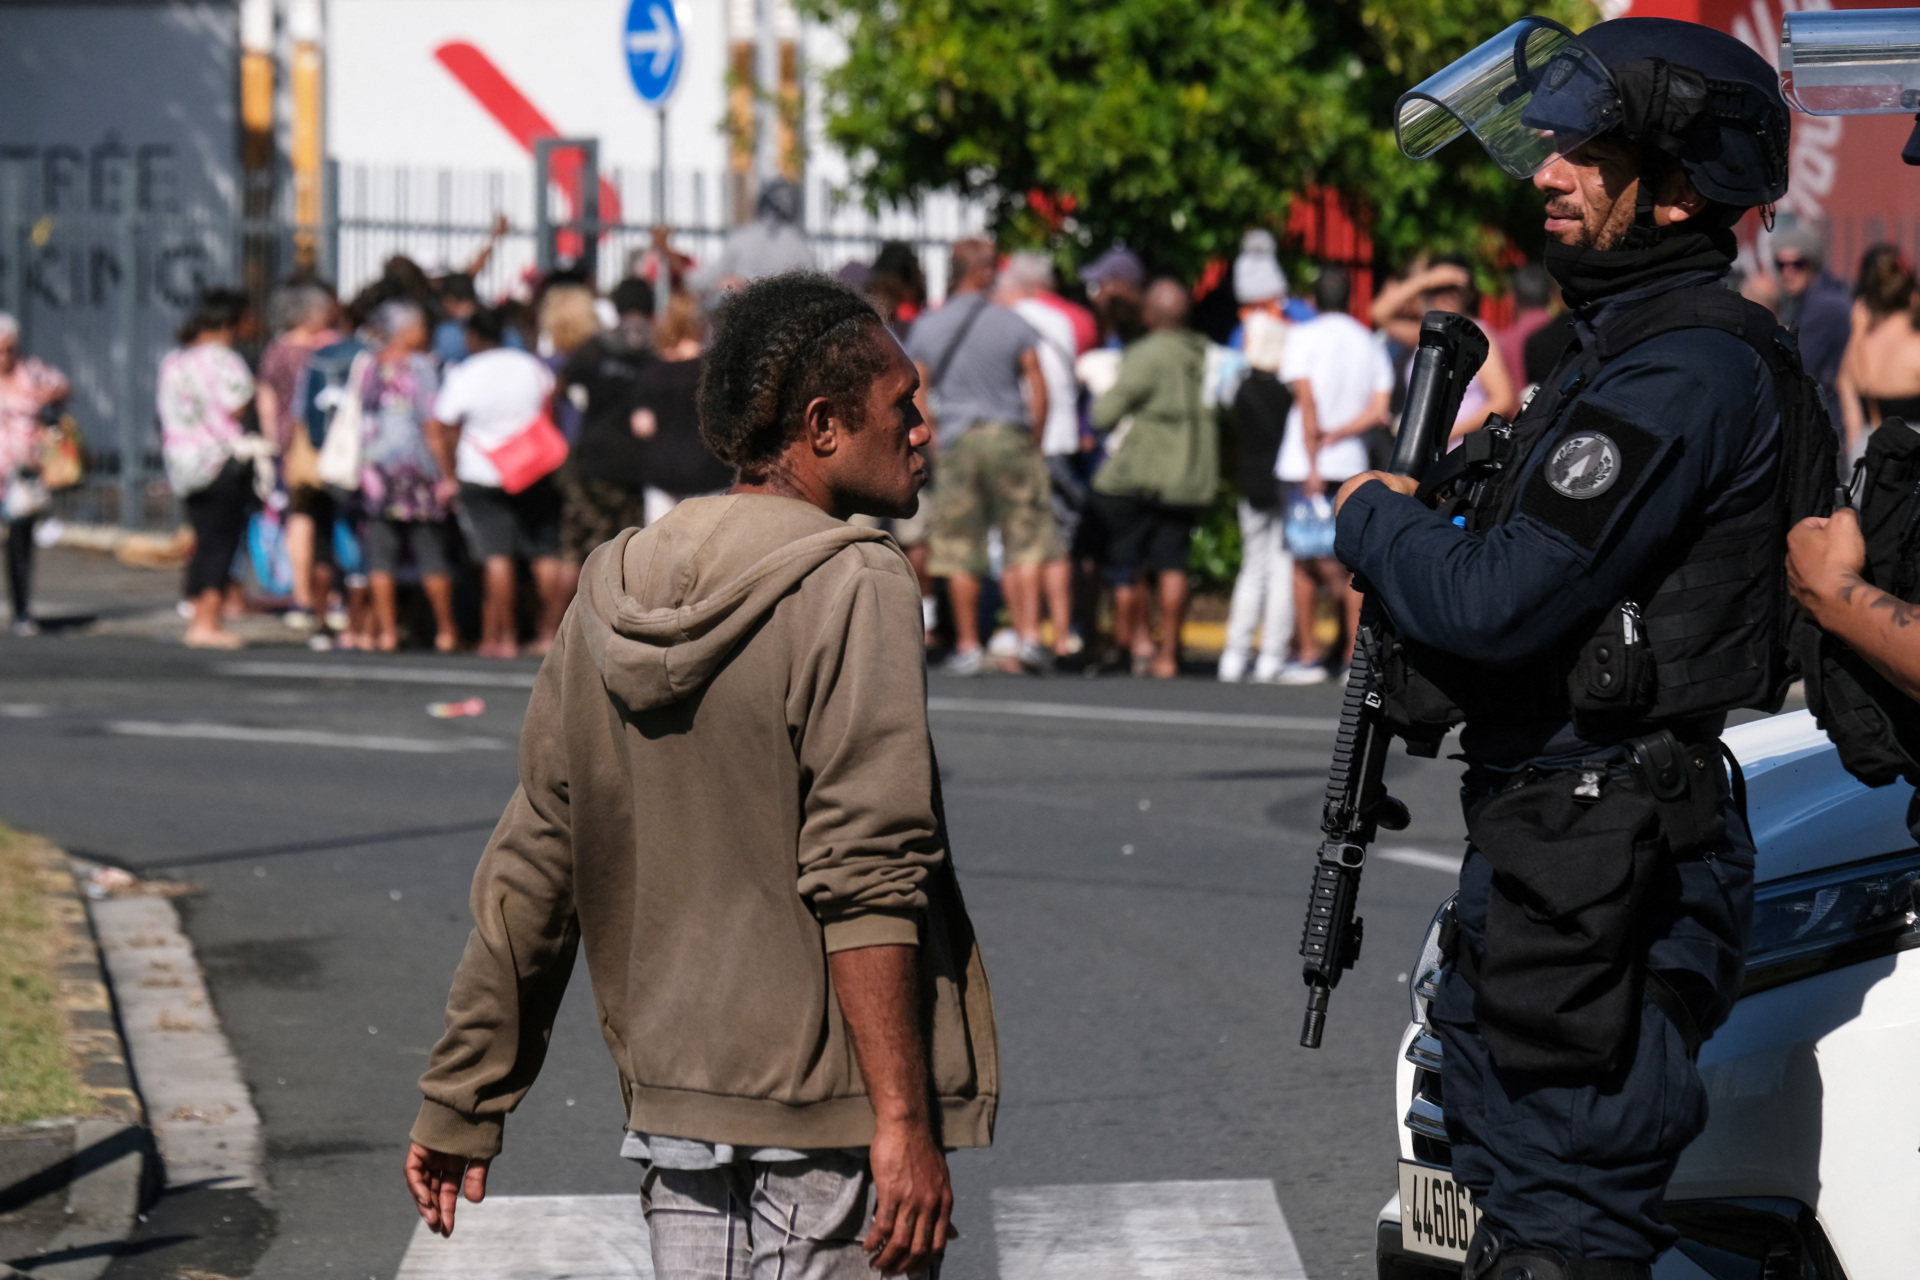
column 267, row 552
column 1310, row 527
column 346, row 549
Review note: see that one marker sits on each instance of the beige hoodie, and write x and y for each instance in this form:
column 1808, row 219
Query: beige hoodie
column 725, row 775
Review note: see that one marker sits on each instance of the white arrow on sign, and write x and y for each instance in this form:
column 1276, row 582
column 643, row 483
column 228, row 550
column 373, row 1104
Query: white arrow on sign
column 662, row 42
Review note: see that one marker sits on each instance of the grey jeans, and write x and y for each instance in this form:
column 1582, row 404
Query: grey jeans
column 757, row 1220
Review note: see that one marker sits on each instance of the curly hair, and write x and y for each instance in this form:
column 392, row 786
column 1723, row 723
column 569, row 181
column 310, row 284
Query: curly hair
column 777, row 345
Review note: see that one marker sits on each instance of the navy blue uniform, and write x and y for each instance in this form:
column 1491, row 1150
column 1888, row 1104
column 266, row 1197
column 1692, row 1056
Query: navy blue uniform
column 1581, row 1168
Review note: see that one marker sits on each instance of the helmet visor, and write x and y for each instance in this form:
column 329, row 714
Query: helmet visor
column 1530, row 94
column 1852, row 62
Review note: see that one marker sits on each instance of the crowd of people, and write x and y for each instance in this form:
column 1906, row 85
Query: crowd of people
column 435, row 468
column 414, row 442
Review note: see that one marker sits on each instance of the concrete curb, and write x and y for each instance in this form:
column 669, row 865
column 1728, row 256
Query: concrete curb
column 202, row 1115
column 93, row 1032
column 106, row 1174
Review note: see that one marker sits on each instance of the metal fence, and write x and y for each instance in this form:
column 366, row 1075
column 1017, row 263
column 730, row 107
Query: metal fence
column 442, row 218
column 99, row 295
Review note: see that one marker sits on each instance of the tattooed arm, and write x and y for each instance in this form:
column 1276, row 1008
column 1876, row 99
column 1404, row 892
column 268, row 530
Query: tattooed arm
column 1824, row 560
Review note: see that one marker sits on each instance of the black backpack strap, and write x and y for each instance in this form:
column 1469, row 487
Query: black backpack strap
column 939, row 371
column 1707, row 307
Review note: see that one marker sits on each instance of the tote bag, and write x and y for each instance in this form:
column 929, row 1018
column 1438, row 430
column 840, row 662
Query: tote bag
column 530, row 456
column 340, row 456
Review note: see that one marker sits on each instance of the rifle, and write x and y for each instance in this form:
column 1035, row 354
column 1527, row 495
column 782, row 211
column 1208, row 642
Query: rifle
column 1451, row 350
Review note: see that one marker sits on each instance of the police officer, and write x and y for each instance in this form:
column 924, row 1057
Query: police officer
column 1831, row 64
column 1613, row 595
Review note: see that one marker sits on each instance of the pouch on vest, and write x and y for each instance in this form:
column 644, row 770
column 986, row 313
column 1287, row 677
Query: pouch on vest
column 1419, row 707
column 1613, row 678
column 1559, row 985
column 1874, row 726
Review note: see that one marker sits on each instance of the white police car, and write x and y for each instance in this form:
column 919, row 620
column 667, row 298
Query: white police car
column 1809, row 1168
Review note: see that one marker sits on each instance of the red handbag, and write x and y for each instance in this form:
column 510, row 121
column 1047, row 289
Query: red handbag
column 530, row 456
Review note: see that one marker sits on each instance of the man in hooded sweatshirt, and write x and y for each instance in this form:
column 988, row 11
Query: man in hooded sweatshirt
column 728, row 798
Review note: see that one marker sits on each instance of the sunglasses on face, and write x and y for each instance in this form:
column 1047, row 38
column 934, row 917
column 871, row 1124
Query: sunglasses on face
column 1789, row 264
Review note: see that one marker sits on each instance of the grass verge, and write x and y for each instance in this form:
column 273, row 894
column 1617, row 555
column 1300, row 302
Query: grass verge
column 37, row 1076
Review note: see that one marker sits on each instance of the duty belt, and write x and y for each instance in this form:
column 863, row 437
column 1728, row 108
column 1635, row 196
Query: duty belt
column 1687, row 784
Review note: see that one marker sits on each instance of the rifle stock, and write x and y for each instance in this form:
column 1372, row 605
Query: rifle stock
column 1452, row 349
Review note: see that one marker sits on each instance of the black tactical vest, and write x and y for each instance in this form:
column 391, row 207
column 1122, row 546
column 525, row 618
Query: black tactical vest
column 1704, row 630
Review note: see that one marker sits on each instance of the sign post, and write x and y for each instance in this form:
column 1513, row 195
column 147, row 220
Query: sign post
column 654, row 46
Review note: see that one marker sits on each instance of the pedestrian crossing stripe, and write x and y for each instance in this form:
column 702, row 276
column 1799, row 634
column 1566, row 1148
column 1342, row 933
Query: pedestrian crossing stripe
column 1144, row 1231
column 535, row 1238
column 1120, row 1231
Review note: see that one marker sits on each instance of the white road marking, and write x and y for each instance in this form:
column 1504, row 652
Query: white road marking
column 1424, row 858
column 1134, row 715
column 202, row 1116
column 1144, row 1231
column 300, row 737
column 387, row 672
column 397, row 674
column 1122, row 1231
column 535, row 1238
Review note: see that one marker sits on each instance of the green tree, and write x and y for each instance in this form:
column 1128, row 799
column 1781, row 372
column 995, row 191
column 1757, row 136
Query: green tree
column 1170, row 125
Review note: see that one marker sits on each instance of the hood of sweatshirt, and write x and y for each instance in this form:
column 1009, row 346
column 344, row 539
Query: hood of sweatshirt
column 664, row 606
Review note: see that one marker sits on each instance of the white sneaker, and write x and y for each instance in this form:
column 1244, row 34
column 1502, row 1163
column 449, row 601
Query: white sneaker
column 1267, row 670
column 964, row 662
column 1301, row 673
column 1233, row 667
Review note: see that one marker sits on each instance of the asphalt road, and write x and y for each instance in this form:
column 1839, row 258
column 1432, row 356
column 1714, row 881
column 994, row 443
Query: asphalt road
column 1137, row 885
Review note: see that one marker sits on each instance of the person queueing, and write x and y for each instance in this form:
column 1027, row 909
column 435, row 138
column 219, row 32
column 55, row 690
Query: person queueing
column 28, row 387
column 202, row 393
column 401, row 485
column 310, row 323
column 602, row 484
column 1156, row 483
column 728, row 800
column 488, row 399
column 663, row 415
column 1607, row 891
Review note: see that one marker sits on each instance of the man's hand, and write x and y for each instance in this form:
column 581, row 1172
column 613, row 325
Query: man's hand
column 437, row 1180
column 913, row 1200
column 1399, row 484
column 1825, row 557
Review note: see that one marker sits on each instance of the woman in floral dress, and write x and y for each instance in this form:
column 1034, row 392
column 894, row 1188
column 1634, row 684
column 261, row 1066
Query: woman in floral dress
column 27, row 387
column 204, row 388
column 399, row 478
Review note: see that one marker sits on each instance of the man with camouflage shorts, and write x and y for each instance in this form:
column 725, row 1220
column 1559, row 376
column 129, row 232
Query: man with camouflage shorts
column 987, row 397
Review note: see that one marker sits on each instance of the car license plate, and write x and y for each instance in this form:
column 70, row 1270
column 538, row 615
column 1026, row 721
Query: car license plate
column 1437, row 1215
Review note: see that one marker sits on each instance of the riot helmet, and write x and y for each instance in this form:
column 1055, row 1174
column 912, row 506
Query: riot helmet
column 1854, row 62
column 1678, row 90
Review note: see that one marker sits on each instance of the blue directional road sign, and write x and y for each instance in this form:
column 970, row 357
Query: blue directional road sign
column 653, row 49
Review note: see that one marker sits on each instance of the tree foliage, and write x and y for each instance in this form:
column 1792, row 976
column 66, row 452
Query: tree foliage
column 1169, row 125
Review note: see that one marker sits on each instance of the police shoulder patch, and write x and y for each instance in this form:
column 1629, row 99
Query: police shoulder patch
column 1590, row 468
column 1584, row 465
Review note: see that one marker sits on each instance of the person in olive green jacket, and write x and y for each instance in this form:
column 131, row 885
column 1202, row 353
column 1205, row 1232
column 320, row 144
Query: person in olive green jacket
column 1162, row 469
